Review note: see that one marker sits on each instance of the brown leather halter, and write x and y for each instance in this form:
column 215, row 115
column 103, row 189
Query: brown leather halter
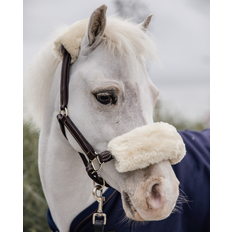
column 65, row 122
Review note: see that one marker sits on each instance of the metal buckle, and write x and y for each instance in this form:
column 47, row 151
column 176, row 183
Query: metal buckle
column 99, row 162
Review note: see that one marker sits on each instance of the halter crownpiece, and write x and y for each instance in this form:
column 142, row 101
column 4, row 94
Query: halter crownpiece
column 147, row 145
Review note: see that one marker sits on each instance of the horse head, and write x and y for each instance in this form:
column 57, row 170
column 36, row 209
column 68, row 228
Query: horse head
column 110, row 94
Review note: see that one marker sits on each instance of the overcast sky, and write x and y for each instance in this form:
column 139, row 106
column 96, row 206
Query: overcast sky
column 180, row 30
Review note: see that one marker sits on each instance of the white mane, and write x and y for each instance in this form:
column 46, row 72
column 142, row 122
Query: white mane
column 120, row 36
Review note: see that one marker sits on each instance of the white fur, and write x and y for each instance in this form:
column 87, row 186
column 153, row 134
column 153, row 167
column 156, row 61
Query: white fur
column 147, row 145
column 120, row 36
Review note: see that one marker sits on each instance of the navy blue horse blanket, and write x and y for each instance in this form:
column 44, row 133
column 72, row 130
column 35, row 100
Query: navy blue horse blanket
column 193, row 172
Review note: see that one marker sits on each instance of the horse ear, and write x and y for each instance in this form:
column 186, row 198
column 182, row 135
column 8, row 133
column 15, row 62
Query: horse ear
column 96, row 28
column 144, row 25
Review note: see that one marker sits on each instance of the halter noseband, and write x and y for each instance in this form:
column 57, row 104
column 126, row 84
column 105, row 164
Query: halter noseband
column 65, row 122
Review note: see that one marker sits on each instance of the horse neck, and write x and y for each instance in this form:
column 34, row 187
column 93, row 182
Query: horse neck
column 66, row 185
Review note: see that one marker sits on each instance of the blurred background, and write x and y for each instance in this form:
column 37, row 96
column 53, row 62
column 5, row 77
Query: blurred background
column 181, row 31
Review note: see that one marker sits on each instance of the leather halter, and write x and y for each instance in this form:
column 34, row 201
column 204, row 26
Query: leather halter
column 65, row 122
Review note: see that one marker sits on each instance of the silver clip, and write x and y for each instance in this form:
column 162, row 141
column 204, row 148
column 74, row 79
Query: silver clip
column 100, row 200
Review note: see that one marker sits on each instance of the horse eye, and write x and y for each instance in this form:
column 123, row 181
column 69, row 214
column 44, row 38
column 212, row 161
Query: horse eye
column 105, row 98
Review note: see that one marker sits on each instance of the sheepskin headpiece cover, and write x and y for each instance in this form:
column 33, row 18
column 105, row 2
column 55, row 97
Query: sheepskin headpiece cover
column 147, row 145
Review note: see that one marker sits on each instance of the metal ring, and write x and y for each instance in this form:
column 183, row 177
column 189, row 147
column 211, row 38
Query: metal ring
column 65, row 111
column 102, row 186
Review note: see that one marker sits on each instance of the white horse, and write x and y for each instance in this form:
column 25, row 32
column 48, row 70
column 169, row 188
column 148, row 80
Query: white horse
column 110, row 93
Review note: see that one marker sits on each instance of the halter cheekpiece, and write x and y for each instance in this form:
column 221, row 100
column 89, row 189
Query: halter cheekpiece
column 65, row 122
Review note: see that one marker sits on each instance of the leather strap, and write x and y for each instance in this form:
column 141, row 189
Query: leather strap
column 83, row 143
column 65, row 122
column 98, row 226
column 104, row 156
column 64, row 79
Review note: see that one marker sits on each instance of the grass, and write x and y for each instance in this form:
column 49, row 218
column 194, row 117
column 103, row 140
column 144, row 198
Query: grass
column 34, row 203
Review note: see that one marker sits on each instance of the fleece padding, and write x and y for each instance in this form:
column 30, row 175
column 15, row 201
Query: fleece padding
column 147, row 145
column 71, row 40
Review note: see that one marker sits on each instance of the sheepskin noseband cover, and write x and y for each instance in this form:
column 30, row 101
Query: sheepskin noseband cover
column 147, row 145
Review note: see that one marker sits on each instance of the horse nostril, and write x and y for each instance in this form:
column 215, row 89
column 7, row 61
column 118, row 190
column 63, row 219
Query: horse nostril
column 155, row 197
column 155, row 191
